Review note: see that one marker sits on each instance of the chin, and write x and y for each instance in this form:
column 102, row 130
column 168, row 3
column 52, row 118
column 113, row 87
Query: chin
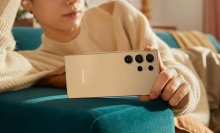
column 73, row 27
column 70, row 28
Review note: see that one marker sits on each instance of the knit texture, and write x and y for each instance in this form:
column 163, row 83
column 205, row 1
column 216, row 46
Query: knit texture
column 127, row 29
column 19, row 71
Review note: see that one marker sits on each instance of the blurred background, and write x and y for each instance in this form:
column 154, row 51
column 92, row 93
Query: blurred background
column 164, row 15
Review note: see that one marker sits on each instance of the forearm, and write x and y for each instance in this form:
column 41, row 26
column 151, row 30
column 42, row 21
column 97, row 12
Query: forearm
column 16, row 72
column 8, row 10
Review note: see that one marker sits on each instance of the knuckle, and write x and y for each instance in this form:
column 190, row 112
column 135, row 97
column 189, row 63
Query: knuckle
column 186, row 89
column 174, row 71
column 171, row 90
column 180, row 96
column 187, row 85
column 165, row 74
column 180, row 76
column 168, row 92
column 172, row 102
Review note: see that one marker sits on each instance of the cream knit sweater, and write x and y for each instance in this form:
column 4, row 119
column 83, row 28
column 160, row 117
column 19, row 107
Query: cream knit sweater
column 126, row 29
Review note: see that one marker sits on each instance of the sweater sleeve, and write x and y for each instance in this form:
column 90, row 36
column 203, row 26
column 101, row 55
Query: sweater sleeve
column 8, row 12
column 16, row 71
column 137, row 29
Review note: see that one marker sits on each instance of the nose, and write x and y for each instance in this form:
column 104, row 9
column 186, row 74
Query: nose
column 71, row 2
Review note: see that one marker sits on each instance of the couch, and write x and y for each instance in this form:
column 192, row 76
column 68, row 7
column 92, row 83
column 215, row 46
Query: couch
column 39, row 110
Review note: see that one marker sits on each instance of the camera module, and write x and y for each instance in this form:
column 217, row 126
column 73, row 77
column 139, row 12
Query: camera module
column 140, row 68
column 150, row 58
column 151, row 68
column 128, row 59
column 139, row 58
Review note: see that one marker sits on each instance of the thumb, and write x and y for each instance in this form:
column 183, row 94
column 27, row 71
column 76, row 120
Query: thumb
column 150, row 47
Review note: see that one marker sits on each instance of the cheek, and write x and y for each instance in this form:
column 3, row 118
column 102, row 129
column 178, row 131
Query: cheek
column 54, row 19
column 47, row 17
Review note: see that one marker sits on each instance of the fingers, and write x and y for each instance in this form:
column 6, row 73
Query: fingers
column 161, row 81
column 59, row 81
column 183, row 90
column 151, row 47
column 172, row 86
column 145, row 98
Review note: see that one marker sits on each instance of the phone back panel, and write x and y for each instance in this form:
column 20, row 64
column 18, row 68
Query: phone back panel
column 107, row 74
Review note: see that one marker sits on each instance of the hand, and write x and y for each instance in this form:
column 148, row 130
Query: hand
column 172, row 86
column 55, row 79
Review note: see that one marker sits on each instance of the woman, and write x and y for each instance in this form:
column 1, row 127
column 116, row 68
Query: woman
column 114, row 26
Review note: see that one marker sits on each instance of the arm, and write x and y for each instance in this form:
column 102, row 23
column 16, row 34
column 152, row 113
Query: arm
column 16, row 71
column 139, row 32
column 8, row 12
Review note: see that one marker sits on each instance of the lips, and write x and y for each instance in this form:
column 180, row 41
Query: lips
column 73, row 14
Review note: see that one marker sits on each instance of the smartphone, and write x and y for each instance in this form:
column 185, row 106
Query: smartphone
column 111, row 74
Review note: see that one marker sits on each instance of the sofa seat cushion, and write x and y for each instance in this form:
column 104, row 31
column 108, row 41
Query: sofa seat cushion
column 38, row 110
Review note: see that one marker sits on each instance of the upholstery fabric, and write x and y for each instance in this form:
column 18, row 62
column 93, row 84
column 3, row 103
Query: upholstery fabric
column 23, row 35
column 39, row 110
column 49, row 110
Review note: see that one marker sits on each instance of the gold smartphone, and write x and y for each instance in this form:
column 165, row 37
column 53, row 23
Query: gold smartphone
column 110, row 74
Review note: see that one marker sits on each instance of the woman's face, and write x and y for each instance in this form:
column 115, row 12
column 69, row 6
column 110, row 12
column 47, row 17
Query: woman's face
column 54, row 13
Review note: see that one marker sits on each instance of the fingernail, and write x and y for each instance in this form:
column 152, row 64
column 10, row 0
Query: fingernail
column 151, row 46
column 152, row 96
column 147, row 46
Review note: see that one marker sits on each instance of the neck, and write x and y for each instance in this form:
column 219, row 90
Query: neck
column 61, row 36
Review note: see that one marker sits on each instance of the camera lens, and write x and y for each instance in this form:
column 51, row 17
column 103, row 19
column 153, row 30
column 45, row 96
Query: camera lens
column 128, row 59
column 150, row 58
column 151, row 68
column 139, row 58
column 140, row 68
